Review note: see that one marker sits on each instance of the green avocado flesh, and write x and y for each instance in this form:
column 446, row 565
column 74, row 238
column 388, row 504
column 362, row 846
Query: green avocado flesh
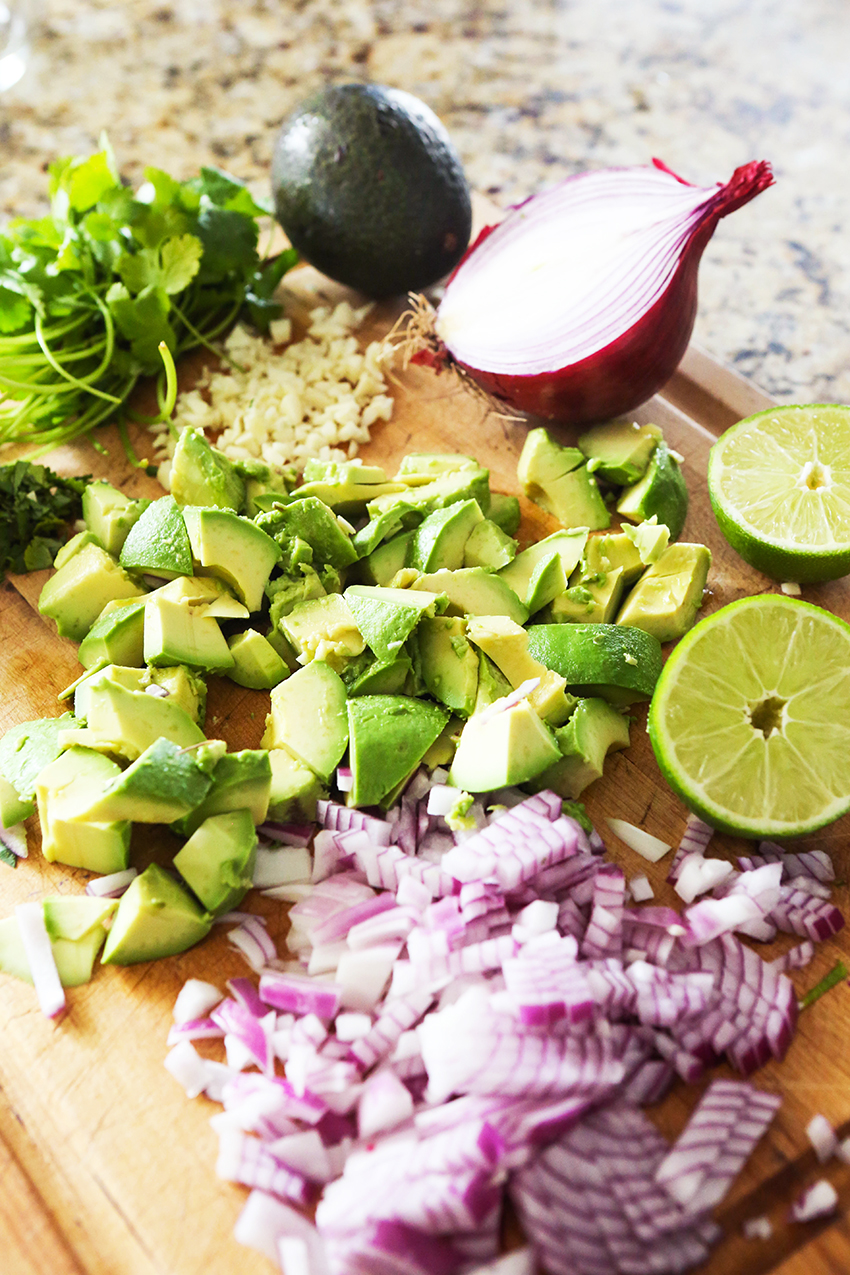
column 370, row 190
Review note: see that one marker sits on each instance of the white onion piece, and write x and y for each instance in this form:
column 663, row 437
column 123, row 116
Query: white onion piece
column 113, row 885
column 384, row 1104
column 282, row 867
column 757, row 1228
column 697, row 875
column 823, row 1138
column 194, row 1000
column 441, row 799
column 641, row 889
column 818, row 1200
column 39, row 954
column 643, row 843
column 363, row 975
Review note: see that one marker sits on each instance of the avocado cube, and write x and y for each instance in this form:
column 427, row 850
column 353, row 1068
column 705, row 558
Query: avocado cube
column 535, row 577
column 666, row 598
column 323, row 629
column 127, row 722
column 542, row 462
column 76, row 936
column 650, row 538
column 285, row 592
column 158, row 542
column 417, row 468
column 163, row 784
column 295, row 788
column 439, row 541
column 256, row 664
column 594, row 730
column 183, row 686
column 474, row 591
column 345, row 486
column 389, row 735
column 156, row 917
column 26, row 749
column 77, row 593
column 201, row 475
column 99, row 844
column 506, row 644
column 233, row 549
column 488, row 547
column 240, row 780
column 385, row 523
column 310, row 520
column 386, row 617
column 504, row 511
column 618, row 663
column 381, row 677
column 607, row 553
column 594, row 602
column 174, row 633
column 109, row 515
column 117, row 636
column 447, row 662
column 74, row 545
column 492, row 684
column 661, row 492
column 217, row 862
column 308, row 717
column 619, row 451
column 436, row 493
column 13, row 809
column 382, row 564
column 501, row 747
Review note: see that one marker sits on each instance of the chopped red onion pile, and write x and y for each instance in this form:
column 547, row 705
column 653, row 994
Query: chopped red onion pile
column 487, row 1013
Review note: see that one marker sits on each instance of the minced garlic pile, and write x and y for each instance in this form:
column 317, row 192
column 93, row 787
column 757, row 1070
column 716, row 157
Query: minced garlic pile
column 288, row 402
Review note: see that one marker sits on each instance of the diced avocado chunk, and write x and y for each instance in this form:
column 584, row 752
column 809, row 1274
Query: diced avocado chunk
column 619, row 451
column 323, row 629
column 389, row 735
column 650, row 538
column 535, row 575
column 217, row 862
column 175, row 633
column 385, row 524
column 474, row 591
column 13, row 809
column 77, row 929
column 472, row 483
column 233, row 549
column 345, row 486
column 594, row 730
column 74, row 545
column 256, row 663
column 422, row 467
column 662, row 491
column 201, row 475
column 240, row 780
column 101, row 844
column 386, row 617
column 595, row 601
column 158, row 542
column 156, row 917
column 380, row 677
column 506, row 644
column 666, row 598
column 542, row 462
column 285, row 592
column 127, row 722
column 308, row 717
column 117, row 635
column 380, row 566
column 77, row 593
column 488, row 547
column 263, row 485
column 557, row 479
column 109, row 514
column 504, row 511
column 311, row 521
column 447, row 662
column 492, row 684
column 163, row 784
column 619, row 664
column 502, row 746
column 440, row 540
column 27, row 748
column 295, row 788
column 610, row 552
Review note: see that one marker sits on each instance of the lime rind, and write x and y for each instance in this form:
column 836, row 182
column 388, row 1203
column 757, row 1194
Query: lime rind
column 779, row 484
column 792, row 781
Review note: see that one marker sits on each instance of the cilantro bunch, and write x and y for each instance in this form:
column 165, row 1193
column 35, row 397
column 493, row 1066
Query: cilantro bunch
column 88, row 293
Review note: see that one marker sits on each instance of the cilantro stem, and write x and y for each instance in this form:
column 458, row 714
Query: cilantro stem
column 836, row 975
column 83, row 383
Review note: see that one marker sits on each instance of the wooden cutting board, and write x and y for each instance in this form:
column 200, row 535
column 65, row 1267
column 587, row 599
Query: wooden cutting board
column 105, row 1167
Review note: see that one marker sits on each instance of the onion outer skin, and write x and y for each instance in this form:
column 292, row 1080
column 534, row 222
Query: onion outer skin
column 636, row 364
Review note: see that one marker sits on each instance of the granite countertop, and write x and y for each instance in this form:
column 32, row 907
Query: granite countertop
column 531, row 91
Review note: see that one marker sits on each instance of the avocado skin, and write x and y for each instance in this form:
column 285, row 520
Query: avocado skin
column 370, row 190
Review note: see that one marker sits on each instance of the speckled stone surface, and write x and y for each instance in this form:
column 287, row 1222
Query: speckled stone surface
column 531, row 91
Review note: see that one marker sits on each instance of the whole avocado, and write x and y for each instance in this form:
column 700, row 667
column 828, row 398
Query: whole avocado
column 370, row 190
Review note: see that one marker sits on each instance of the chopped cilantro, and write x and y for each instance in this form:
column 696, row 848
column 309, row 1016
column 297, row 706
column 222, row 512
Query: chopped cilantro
column 35, row 507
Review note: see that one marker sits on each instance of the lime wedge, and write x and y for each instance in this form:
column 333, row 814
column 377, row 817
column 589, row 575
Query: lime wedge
column 779, row 484
column 750, row 721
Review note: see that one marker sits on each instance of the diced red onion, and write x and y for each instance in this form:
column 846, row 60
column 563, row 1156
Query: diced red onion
column 282, row 867
column 796, row 958
column 39, row 954
column 697, row 875
column 344, row 778
column 243, row 1158
column 643, row 843
column 798, row 912
column 111, row 886
column 194, row 1000
column 264, row 1221
column 641, row 889
column 384, row 1104
column 818, row 1200
column 15, row 839
column 289, row 834
column 300, row 995
column 194, row 1029
column 757, row 1228
column 823, row 1138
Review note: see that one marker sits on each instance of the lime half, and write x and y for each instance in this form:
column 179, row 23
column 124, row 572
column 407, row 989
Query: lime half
column 779, row 484
column 750, row 721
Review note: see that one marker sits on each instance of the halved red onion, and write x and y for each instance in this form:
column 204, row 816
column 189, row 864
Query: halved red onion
column 580, row 304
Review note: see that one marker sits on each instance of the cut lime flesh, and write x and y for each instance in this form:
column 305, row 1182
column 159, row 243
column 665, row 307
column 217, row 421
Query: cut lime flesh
column 750, row 721
column 779, row 484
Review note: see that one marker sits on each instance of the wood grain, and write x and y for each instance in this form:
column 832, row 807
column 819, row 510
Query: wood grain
column 107, row 1169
